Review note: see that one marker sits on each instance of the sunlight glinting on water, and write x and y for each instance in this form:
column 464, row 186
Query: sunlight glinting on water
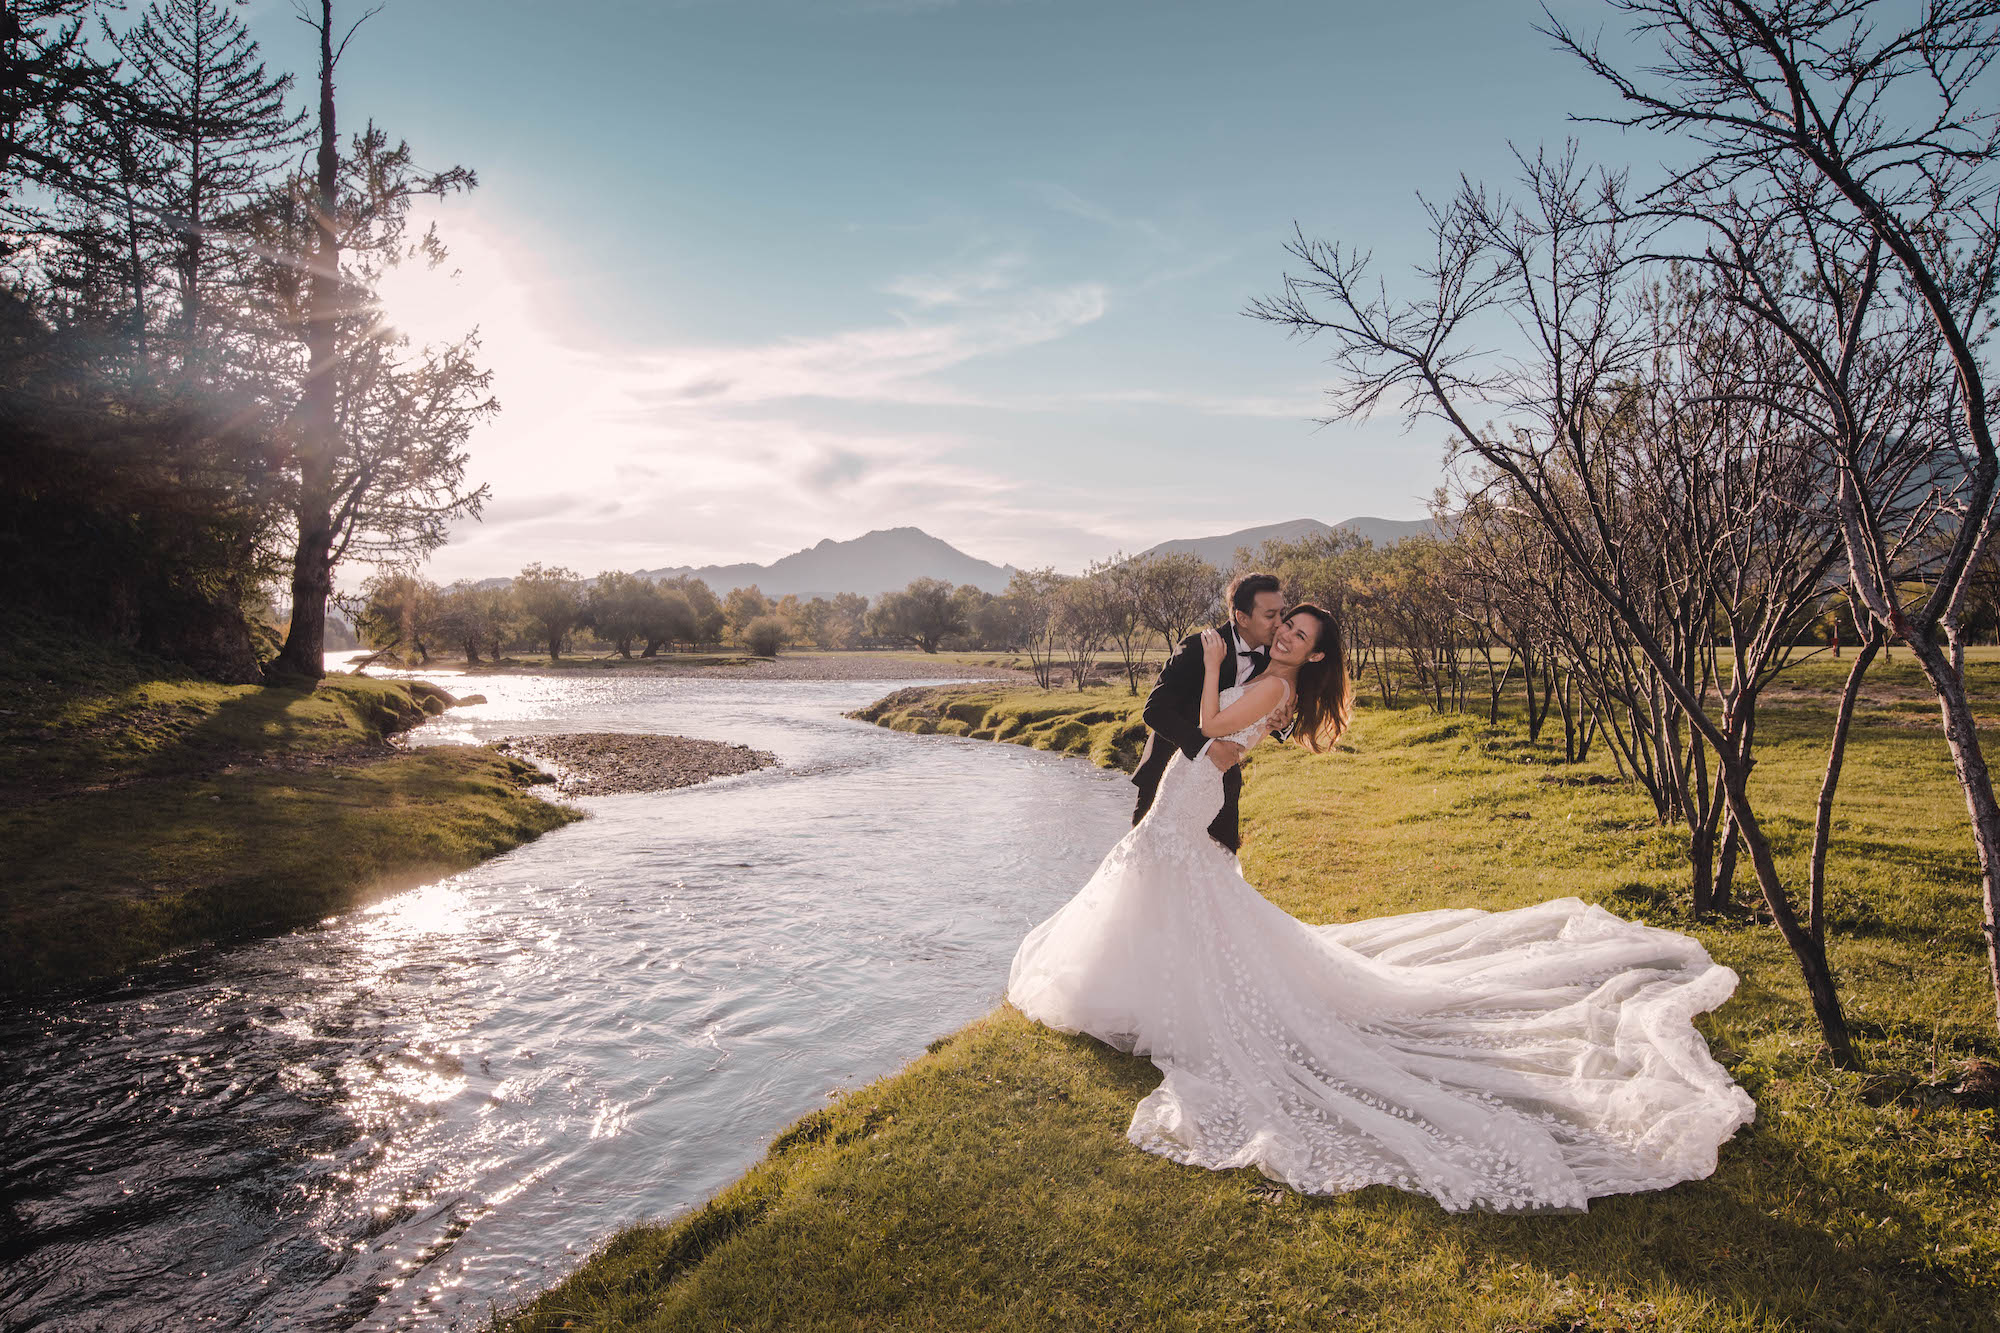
column 422, row 1109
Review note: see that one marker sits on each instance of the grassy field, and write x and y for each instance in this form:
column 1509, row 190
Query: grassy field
column 145, row 811
column 989, row 1185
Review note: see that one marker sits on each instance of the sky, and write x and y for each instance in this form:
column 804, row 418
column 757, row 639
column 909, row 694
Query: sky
column 754, row 273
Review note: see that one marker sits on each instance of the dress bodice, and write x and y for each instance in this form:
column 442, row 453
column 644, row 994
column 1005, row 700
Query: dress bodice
column 1257, row 730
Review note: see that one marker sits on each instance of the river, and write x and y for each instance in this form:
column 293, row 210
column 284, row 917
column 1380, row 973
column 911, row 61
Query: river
column 416, row 1112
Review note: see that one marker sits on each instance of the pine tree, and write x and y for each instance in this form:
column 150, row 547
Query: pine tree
column 221, row 124
column 375, row 435
column 47, row 77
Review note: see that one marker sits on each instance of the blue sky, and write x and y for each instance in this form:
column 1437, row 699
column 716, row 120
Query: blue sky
column 751, row 273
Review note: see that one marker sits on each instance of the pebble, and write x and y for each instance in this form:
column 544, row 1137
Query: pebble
column 609, row 763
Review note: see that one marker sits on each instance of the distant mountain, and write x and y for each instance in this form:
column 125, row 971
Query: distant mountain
column 878, row 562
column 1221, row 551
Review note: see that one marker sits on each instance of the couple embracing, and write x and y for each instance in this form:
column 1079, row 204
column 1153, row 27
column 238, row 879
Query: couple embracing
column 1520, row 1060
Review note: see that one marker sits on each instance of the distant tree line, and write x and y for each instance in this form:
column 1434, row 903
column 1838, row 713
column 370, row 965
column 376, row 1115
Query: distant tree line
column 1063, row 623
column 201, row 398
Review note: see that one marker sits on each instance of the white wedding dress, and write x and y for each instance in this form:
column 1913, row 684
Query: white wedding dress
column 1527, row 1059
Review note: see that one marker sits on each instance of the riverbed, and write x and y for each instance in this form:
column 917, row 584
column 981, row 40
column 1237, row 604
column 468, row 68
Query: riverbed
column 412, row 1114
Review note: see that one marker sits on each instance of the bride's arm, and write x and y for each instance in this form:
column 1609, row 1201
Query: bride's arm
column 1256, row 704
column 1212, row 650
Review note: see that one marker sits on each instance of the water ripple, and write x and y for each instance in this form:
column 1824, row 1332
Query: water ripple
column 414, row 1112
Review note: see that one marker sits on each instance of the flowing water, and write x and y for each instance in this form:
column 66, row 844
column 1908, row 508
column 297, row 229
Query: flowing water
column 420, row 1111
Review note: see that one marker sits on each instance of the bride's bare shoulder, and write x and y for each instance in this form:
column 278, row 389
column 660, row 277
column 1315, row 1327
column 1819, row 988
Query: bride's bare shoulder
column 1270, row 688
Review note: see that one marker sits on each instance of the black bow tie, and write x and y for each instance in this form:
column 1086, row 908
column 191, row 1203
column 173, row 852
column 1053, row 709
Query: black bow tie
column 1259, row 659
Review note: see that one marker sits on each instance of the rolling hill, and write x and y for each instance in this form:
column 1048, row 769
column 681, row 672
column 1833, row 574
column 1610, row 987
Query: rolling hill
column 877, row 562
column 1221, row 551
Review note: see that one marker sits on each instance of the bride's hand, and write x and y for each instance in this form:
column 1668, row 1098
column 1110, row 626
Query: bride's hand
column 1212, row 649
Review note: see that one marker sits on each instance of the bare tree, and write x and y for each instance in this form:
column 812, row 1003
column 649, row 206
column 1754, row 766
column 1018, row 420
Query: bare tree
column 1038, row 593
column 1126, row 580
column 1843, row 169
column 1175, row 594
column 1088, row 612
column 1556, row 267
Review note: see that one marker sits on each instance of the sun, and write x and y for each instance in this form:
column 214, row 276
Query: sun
column 431, row 304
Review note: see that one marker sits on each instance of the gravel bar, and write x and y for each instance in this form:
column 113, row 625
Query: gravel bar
column 611, row 763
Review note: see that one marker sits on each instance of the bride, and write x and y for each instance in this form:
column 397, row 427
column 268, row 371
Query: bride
column 1526, row 1059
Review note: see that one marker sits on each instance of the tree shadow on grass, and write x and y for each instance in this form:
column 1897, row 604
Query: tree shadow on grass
column 286, row 723
column 1734, row 1240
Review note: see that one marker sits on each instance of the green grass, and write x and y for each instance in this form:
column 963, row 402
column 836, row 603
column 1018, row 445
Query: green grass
column 989, row 1184
column 146, row 811
column 1100, row 724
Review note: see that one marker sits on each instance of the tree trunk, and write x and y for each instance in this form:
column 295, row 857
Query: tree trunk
column 304, row 653
column 1810, row 954
column 1704, row 812
column 1570, row 719
column 1732, row 837
column 1961, row 733
column 1725, row 869
column 1701, row 858
column 1836, row 753
column 315, row 422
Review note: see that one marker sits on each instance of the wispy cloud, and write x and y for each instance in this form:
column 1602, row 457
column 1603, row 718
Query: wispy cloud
column 1063, row 199
column 690, row 454
column 966, row 283
column 890, row 363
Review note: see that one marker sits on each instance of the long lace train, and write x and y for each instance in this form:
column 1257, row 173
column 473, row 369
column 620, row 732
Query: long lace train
column 1528, row 1059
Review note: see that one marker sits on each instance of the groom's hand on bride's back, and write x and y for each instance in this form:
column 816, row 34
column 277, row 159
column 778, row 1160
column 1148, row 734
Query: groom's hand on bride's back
column 1224, row 754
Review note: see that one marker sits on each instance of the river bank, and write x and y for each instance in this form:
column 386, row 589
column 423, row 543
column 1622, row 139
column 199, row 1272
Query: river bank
column 1102, row 725
column 988, row 1184
column 147, row 811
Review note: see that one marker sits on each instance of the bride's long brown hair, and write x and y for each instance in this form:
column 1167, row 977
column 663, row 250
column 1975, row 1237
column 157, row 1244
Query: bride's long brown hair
column 1326, row 697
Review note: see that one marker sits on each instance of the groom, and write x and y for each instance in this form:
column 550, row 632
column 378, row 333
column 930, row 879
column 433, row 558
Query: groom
column 1173, row 709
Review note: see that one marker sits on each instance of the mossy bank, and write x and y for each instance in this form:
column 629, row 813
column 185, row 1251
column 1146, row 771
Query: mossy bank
column 989, row 1184
column 145, row 811
column 1101, row 725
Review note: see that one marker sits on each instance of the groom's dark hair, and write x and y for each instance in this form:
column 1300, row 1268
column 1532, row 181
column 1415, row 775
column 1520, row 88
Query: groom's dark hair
column 1243, row 590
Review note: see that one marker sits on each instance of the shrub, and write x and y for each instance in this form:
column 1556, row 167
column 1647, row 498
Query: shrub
column 765, row 635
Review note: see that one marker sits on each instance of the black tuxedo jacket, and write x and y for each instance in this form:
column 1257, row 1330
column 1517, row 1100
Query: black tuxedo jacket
column 1173, row 719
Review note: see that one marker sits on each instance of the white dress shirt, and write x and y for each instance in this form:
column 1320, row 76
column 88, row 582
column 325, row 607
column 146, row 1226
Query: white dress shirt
column 1246, row 661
